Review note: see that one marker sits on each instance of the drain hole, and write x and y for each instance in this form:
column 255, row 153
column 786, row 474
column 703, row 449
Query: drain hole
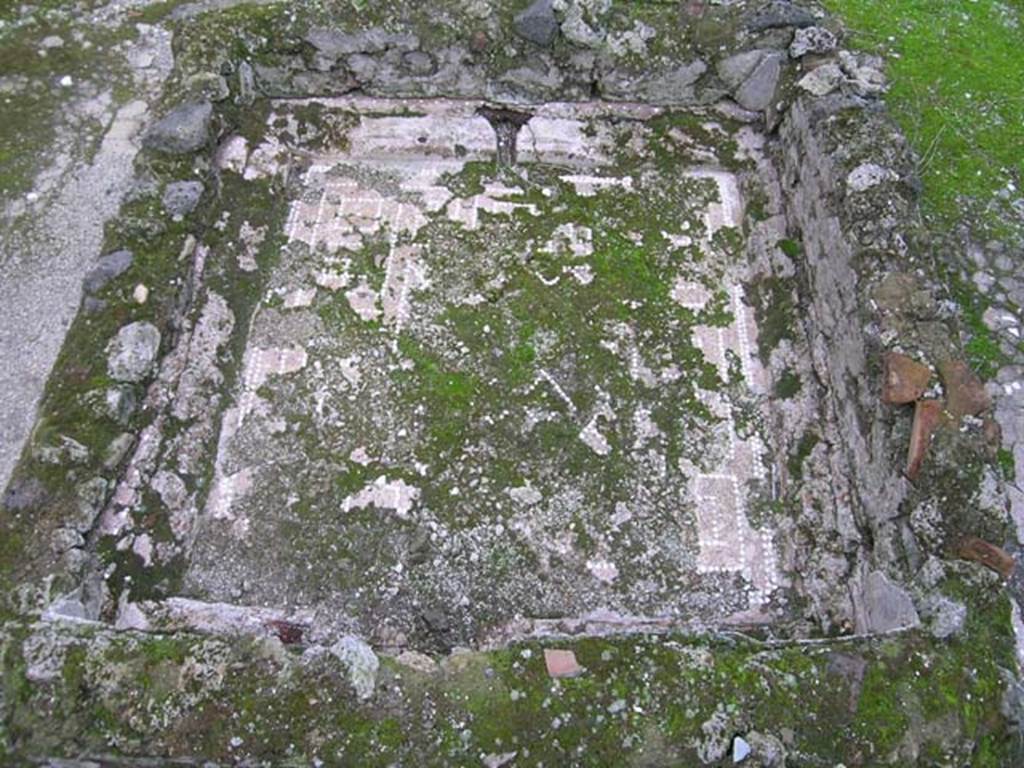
column 506, row 124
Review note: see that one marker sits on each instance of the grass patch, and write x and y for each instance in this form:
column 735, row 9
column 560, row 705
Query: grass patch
column 776, row 313
column 957, row 75
column 982, row 348
column 788, row 385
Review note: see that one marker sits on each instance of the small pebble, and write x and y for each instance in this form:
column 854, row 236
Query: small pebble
column 66, row 81
column 140, row 294
column 740, row 750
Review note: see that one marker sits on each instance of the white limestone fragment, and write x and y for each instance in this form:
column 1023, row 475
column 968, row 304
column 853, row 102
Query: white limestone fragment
column 497, row 760
column 644, row 426
column 728, row 211
column 603, row 570
column 360, row 456
column 363, row 301
column 129, row 616
column 583, row 274
column 252, row 238
column 822, row 80
column 362, row 664
column 740, row 749
column 631, row 40
column 597, row 442
column 265, row 160
column 397, row 496
column 143, row 547
column 678, row 241
column 689, row 294
column 869, row 175
column 301, row 297
column 571, row 239
column 621, row 516
column 277, row 361
column 332, row 280
column 588, row 186
column 543, row 375
column 419, row 662
column 232, row 155
column 226, row 489
column 526, row 495
column 405, row 273
column 350, row 370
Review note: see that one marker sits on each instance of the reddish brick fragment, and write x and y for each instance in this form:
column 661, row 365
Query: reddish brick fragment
column 903, row 380
column 287, row 632
column 479, row 41
column 927, row 416
column 561, row 663
column 989, row 555
column 965, row 392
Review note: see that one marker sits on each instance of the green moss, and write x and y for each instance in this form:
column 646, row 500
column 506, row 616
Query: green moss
column 795, row 462
column 670, row 155
column 158, row 11
column 788, row 385
column 450, row 396
column 633, row 687
column 883, row 710
column 790, row 247
column 1005, row 460
column 775, row 311
column 166, row 648
column 982, row 349
column 471, row 178
column 541, row 318
column 520, row 364
column 757, row 203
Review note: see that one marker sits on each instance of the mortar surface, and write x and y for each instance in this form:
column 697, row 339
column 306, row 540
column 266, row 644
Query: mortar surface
column 476, row 400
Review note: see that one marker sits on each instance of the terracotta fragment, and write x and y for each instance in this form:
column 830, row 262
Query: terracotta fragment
column 903, row 380
column 479, row 41
column 965, row 393
column 287, row 632
column 989, row 555
column 561, row 663
column 927, row 416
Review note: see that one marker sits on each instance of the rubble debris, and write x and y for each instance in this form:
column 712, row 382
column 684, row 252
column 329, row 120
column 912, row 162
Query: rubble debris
column 992, row 557
column 812, row 40
column 132, row 353
column 362, row 664
column 561, row 663
column 887, row 606
column 740, row 750
column 780, row 13
column 107, row 268
column 928, row 414
column 183, row 130
column 287, row 632
column 821, row 81
column 537, row 23
column 181, row 197
column 965, row 392
column 903, row 380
